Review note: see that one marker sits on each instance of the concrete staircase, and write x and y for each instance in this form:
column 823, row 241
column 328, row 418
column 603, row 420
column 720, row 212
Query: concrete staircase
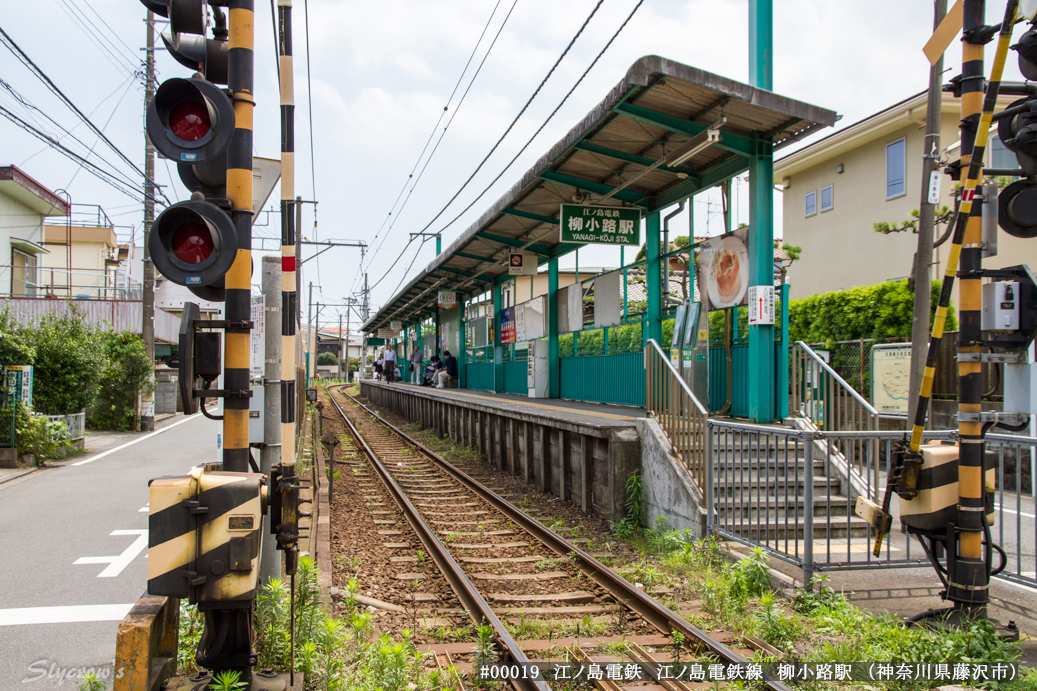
column 760, row 495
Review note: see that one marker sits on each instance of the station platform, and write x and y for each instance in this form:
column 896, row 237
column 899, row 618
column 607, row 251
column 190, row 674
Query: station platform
column 577, row 451
column 576, row 412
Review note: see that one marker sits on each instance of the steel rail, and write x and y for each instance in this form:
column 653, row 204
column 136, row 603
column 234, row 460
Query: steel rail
column 640, row 603
column 463, row 588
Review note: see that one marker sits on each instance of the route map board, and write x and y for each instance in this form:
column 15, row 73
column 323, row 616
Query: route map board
column 890, row 377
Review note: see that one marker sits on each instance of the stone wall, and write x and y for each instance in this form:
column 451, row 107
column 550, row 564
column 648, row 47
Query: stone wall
column 585, row 464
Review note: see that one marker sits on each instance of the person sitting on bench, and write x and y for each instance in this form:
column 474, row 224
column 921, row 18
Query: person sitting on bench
column 449, row 371
column 429, row 376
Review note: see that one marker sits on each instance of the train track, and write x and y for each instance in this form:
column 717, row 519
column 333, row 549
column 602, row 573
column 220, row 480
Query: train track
column 498, row 545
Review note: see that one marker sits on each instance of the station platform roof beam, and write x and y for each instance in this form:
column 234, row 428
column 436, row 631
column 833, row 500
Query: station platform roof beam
column 621, row 153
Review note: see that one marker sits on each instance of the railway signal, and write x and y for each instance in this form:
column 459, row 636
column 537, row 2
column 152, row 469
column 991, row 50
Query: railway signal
column 204, row 243
column 191, row 121
column 1017, row 129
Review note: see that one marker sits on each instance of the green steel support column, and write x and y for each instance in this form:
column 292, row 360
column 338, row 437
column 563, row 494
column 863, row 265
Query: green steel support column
column 728, row 215
column 783, row 360
column 498, row 352
column 553, row 361
column 761, row 44
column 761, row 273
column 653, row 271
column 439, row 244
column 462, row 378
column 435, row 337
column 691, row 253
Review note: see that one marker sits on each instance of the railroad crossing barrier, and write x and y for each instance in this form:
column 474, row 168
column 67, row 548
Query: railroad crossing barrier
column 146, row 643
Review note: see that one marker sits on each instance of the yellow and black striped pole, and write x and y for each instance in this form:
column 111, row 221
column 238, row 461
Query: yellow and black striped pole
column 969, row 582
column 289, row 292
column 239, row 278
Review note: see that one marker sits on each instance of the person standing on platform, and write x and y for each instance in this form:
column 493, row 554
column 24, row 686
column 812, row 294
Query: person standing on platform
column 415, row 364
column 449, row 371
column 378, row 365
column 390, row 365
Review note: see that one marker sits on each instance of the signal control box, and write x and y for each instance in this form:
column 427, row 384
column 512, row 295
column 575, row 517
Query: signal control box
column 204, row 531
column 1001, row 306
column 936, row 502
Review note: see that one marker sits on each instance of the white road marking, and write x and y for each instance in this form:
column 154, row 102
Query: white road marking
column 137, row 440
column 63, row 615
column 1019, row 513
column 118, row 563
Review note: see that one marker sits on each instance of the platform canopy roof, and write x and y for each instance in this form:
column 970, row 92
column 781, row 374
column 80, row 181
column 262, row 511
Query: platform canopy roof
column 621, row 155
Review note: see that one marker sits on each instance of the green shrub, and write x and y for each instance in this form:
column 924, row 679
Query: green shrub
column 37, row 435
column 68, row 363
column 128, row 372
column 880, row 311
column 327, row 359
column 15, row 349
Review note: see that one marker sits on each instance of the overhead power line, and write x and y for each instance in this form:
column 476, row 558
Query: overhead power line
column 33, row 111
column 93, row 168
column 27, row 61
column 521, row 112
column 443, row 133
column 548, row 119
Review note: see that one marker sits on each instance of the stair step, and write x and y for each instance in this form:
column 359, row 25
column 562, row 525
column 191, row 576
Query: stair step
column 751, row 507
column 837, row 529
column 777, row 483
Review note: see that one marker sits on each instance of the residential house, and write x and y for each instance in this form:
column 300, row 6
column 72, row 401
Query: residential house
column 24, row 203
column 84, row 258
column 838, row 187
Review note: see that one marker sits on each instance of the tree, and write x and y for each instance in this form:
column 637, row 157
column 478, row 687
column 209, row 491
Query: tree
column 69, row 361
column 327, row 359
column 127, row 373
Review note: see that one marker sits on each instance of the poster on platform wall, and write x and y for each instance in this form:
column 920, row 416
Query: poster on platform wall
column 534, row 319
column 520, row 323
column 575, row 297
column 562, row 306
column 608, row 305
column 723, row 270
column 507, row 326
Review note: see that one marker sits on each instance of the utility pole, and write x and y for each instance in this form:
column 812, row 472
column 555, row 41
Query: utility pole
column 270, row 456
column 367, row 315
column 926, row 222
column 298, row 248
column 147, row 329
column 340, row 345
column 349, row 307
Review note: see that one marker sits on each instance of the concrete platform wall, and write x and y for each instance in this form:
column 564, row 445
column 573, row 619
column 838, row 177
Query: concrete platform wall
column 585, row 464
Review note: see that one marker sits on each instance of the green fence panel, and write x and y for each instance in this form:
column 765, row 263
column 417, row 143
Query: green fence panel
column 739, row 380
column 617, row 379
column 516, row 377
column 479, row 375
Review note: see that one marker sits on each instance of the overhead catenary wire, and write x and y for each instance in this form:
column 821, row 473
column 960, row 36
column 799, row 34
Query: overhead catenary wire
column 542, row 125
column 431, row 136
column 548, row 119
column 442, row 134
column 520, row 113
column 98, row 37
column 42, row 76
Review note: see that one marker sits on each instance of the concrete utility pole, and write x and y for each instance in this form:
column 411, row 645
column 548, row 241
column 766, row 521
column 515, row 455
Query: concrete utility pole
column 147, row 329
column 926, row 222
column 340, row 355
column 298, row 246
column 270, row 456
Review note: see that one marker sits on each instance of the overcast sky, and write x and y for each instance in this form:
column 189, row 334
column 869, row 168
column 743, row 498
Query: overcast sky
column 382, row 73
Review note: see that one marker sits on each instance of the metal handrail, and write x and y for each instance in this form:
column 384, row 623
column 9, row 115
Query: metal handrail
column 817, row 393
column 835, row 375
column 681, row 415
column 676, row 375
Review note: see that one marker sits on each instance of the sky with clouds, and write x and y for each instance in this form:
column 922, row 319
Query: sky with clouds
column 382, row 73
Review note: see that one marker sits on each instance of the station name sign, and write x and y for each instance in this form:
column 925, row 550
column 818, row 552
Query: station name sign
column 604, row 225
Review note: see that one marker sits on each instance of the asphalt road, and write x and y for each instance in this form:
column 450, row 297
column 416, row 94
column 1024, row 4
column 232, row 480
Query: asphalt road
column 73, row 551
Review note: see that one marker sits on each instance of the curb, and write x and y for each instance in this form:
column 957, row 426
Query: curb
column 15, row 476
column 320, row 523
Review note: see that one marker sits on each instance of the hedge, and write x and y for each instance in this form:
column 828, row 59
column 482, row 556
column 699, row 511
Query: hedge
column 880, row 311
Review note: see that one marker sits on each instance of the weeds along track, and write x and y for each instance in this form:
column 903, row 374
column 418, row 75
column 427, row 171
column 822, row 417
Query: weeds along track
column 483, row 559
